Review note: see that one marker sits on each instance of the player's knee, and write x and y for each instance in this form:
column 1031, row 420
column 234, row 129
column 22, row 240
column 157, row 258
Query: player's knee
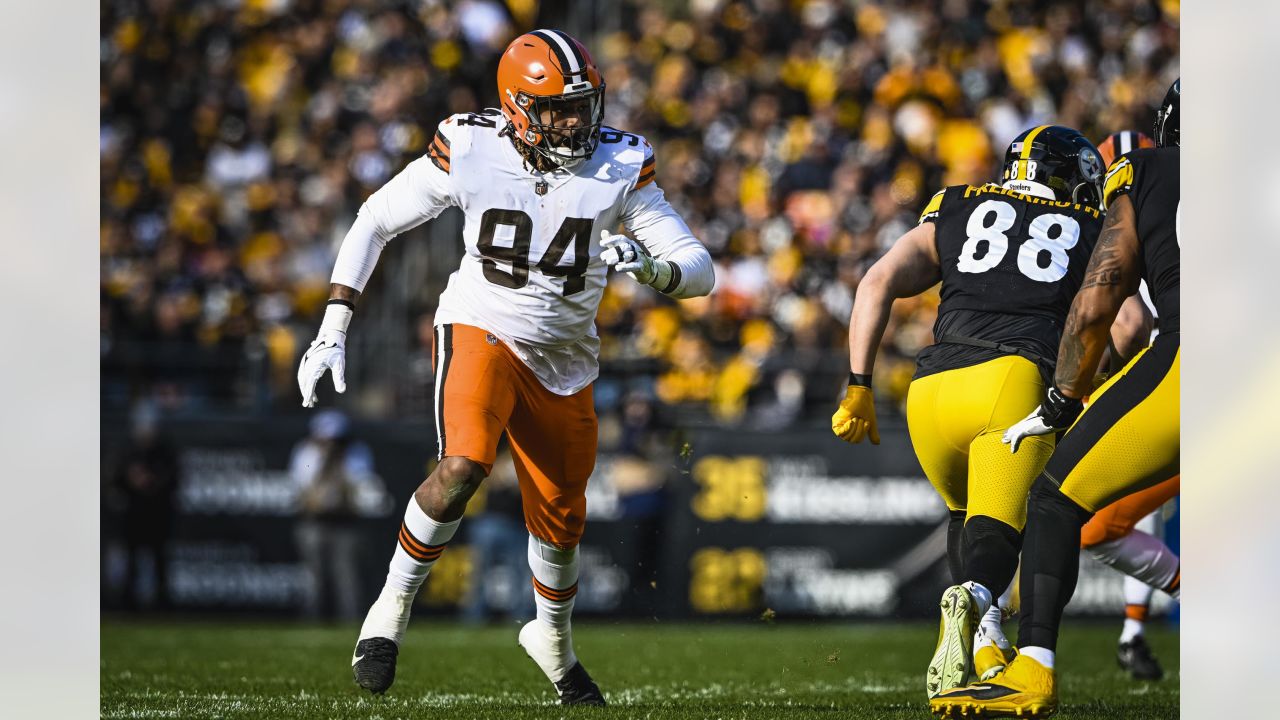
column 445, row 493
column 989, row 530
column 991, row 551
column 1047, row 497
column 460, row 477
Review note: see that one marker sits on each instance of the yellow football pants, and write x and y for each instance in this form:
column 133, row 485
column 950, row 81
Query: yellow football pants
column 956, row 419
column 1128, row 438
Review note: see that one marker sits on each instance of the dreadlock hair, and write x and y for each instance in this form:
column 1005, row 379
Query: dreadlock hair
column 533, row 161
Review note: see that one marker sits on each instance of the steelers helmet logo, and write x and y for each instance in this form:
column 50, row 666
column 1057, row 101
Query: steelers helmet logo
column 1091, row 164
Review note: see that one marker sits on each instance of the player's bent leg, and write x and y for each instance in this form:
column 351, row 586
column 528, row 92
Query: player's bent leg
column 1144, row 559
column 954, row 418
column 1126, row 440
column 430, row 521
column 945, row 463
column 998, row 485
column 1027, row 687
column 473, row 400
column 1141, row 556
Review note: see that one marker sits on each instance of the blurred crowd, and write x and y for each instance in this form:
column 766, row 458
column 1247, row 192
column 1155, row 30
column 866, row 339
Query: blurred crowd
column 799, row 139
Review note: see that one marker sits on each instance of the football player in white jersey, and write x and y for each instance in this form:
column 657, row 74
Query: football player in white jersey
column 543, row 184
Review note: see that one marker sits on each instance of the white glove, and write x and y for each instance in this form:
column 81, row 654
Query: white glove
column 1057, row 413
column 1032, row 424
column 327, row 352
column 626, row 255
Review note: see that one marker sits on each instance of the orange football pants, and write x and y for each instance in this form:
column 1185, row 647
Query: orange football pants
column 482, row 389
column 1117, row 519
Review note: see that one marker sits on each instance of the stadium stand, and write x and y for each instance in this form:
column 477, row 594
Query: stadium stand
column 798, row 138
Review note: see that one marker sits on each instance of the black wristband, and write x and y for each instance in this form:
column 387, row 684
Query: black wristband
column 1060, row 411
column 675, row 279
column 340, row 301
column 860, row 379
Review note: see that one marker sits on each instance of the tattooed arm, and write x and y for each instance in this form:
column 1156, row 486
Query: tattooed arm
column 1112, row 276
column 1130, row 333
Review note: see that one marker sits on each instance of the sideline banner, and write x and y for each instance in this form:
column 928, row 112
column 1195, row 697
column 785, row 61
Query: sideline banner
column 792, row 524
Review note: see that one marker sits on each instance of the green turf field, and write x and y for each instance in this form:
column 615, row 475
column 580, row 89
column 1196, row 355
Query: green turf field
column 658, row 670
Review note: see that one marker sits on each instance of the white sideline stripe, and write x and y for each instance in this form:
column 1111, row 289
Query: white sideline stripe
column 439, row 390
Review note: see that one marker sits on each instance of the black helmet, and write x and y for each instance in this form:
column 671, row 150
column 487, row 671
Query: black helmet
column 1165, row 132
column 1055, row 159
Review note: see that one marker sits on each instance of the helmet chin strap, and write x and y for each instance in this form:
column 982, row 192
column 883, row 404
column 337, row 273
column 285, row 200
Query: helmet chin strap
column 1076, row 191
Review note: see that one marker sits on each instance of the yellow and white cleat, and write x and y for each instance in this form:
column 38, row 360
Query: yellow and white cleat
column 953, row 659
column 1025, row 689
column 989, row 659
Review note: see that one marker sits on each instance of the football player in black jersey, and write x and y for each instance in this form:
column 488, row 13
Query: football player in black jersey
column 1124, row 534
column 1128, row 437
column 1010, row 258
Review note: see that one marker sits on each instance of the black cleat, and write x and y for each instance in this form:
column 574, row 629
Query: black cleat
column 1135, row 657
column 374, row 664
column 577, row 688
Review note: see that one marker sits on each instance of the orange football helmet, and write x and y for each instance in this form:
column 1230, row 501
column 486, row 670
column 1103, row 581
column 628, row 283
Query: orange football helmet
column 1122, row 143
column 552, row 93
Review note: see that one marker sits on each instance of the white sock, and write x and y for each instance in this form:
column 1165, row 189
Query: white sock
column 421, row 542
column 1141, row 556
column 981, row 595
column 1044, row 656
column 1132, row 629
column 991, row 629
column 1137, row 603
column 1137, row 592
column 555, row 583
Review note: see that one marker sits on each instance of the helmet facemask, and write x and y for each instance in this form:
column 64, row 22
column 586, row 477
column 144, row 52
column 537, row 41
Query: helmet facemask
column 564, row 129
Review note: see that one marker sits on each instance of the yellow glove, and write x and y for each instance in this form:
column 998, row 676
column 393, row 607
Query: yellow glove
column 856, row 416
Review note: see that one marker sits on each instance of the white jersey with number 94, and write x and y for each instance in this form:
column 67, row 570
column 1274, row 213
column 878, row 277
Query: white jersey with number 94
column 531, row 275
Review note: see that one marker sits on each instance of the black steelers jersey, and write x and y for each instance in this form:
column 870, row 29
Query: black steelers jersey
column 1150, row 178
column 1011, row 264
